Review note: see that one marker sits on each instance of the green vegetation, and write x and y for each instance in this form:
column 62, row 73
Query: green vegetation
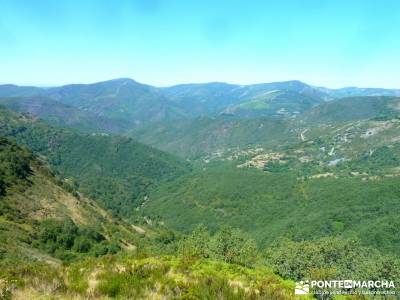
column 276, row 104
column 110, row 106
column 120, row 104
column 64, row 240
column 30, row 265
column 14, row 165
column 328, row 257
column 145, row 278
column 283, row 202
column 314, row 196
column 199, row 272
column 200, row 137
column 352, row 109
column 115, row 171
column 42, row 218
column 59, row 114
column 227, row 245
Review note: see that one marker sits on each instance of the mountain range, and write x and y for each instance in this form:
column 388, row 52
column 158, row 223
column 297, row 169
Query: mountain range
column 118, row 105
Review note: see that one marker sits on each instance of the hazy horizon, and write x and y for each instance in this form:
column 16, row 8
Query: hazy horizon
column 184, row 83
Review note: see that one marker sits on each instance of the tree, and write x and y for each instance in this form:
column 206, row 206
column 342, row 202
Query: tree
column 333, row 257
column 196, row 245
column 232, row 246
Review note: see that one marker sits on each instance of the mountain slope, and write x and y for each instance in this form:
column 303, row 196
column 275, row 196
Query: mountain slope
column 59, row 114
column 111, row 170
column 203, row 99
column 214, row 98
column 278, row 104
column 292, row 86
column 338, row 178
column 33, row 203
column 354, row 108
column 121, row 104
column 12, row 90
column 119, row 99
column 220, row 136
column 323, row 186
column 124, row 102
column 214, row 136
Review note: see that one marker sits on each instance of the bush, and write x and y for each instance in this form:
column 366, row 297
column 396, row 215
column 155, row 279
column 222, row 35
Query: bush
column 196, row 245
column 228, row 245
column 66, row 240
column 330, row 258
column 232, row 246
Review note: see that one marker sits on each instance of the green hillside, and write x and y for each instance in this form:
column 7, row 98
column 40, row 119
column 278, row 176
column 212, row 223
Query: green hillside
column 121, row 103
column 351, row 109
column 277, row 104
column 203, row 99
column 225, row 135
column 216, row 97
column 272, row 205
column 337, row 180
column 214, row 136
column 123, row 100
column 115, row 171
column 44, row 219
column 59, row 114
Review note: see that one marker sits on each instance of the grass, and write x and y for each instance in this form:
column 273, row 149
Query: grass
column 156, row 277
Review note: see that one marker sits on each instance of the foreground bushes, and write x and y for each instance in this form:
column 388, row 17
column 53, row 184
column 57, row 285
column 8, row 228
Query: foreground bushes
column 331, row 258
column 228, row 245
column 224, row 265
column 65, row 240
column 162, row 277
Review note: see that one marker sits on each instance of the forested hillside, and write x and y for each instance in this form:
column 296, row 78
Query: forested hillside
column 223, row 135
column 202, row 137
column 115, row 171
column 44, row 218
column 271, row 205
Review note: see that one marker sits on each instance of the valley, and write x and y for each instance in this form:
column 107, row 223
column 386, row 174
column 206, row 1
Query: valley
column 196, row 191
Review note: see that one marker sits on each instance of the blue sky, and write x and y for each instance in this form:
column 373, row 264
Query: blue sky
column 164, row 42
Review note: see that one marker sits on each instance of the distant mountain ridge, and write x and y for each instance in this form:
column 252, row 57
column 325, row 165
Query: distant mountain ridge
column 118, row 105
column 60, row 114
column 356, row 91
column 353, row 109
